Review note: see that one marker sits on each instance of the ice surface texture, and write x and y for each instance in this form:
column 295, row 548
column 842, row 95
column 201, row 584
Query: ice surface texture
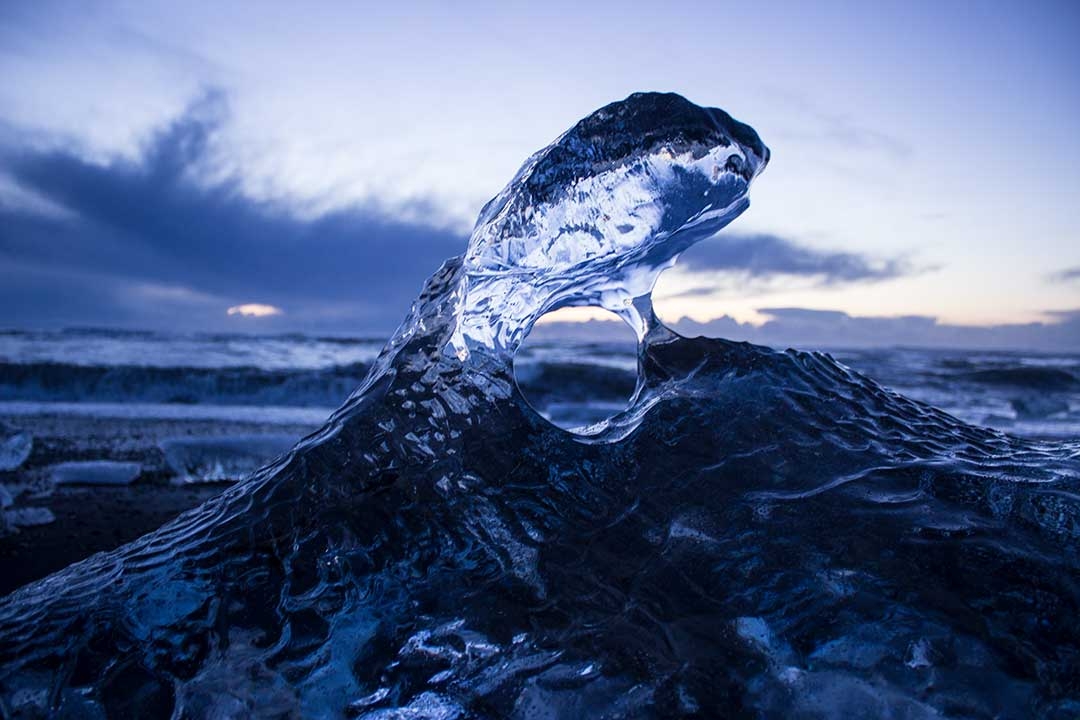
column 761, row 533
column 594, row 218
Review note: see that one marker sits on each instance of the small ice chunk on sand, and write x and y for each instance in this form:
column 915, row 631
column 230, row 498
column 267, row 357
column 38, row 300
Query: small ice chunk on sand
column 95, row 472
column 29, row 516
column 15, row 446
column 920, row 655
column 221, row 459
column 755, row 631
column 5, row 498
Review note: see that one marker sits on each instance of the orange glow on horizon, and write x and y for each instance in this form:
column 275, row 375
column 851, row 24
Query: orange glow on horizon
column 254, row 310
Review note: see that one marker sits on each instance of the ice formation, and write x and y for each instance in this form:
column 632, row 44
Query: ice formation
column 593, row 219
column 760, row 533
column 95, row 472
column 196, row 460
column 15, row 447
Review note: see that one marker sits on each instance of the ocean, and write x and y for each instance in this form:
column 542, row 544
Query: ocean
column 288, row 379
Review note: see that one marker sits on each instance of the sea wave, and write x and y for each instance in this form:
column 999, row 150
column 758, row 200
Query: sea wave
column 65, row 382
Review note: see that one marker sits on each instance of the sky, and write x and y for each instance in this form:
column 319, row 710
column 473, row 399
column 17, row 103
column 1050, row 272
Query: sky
column 307, row 166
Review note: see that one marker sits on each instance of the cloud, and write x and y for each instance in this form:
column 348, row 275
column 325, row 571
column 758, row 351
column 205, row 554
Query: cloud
column 166, row 239
column 1066, row 275
column 805, row 327
column 140, row 239
column 812, row 328
column 765, row 255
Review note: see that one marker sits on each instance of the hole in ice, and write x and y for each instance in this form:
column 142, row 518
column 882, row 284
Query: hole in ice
column 578, row 366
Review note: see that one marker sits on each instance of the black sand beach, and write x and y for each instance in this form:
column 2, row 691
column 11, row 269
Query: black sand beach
column 96, row 518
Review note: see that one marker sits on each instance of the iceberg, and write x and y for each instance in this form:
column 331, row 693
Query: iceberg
column 758, row 534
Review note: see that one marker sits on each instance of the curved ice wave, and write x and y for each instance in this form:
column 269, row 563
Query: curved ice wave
column 761, row 533
column 594, row 218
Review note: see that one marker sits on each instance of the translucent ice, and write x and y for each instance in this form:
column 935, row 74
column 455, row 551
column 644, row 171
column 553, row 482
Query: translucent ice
column 95, row 472
column 28, row 517
column 594, row 218
column 15, row 447
column 758, row 534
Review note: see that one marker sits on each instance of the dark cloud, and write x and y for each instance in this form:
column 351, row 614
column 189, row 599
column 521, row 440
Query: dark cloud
column 147, row 236
column 765, row 255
